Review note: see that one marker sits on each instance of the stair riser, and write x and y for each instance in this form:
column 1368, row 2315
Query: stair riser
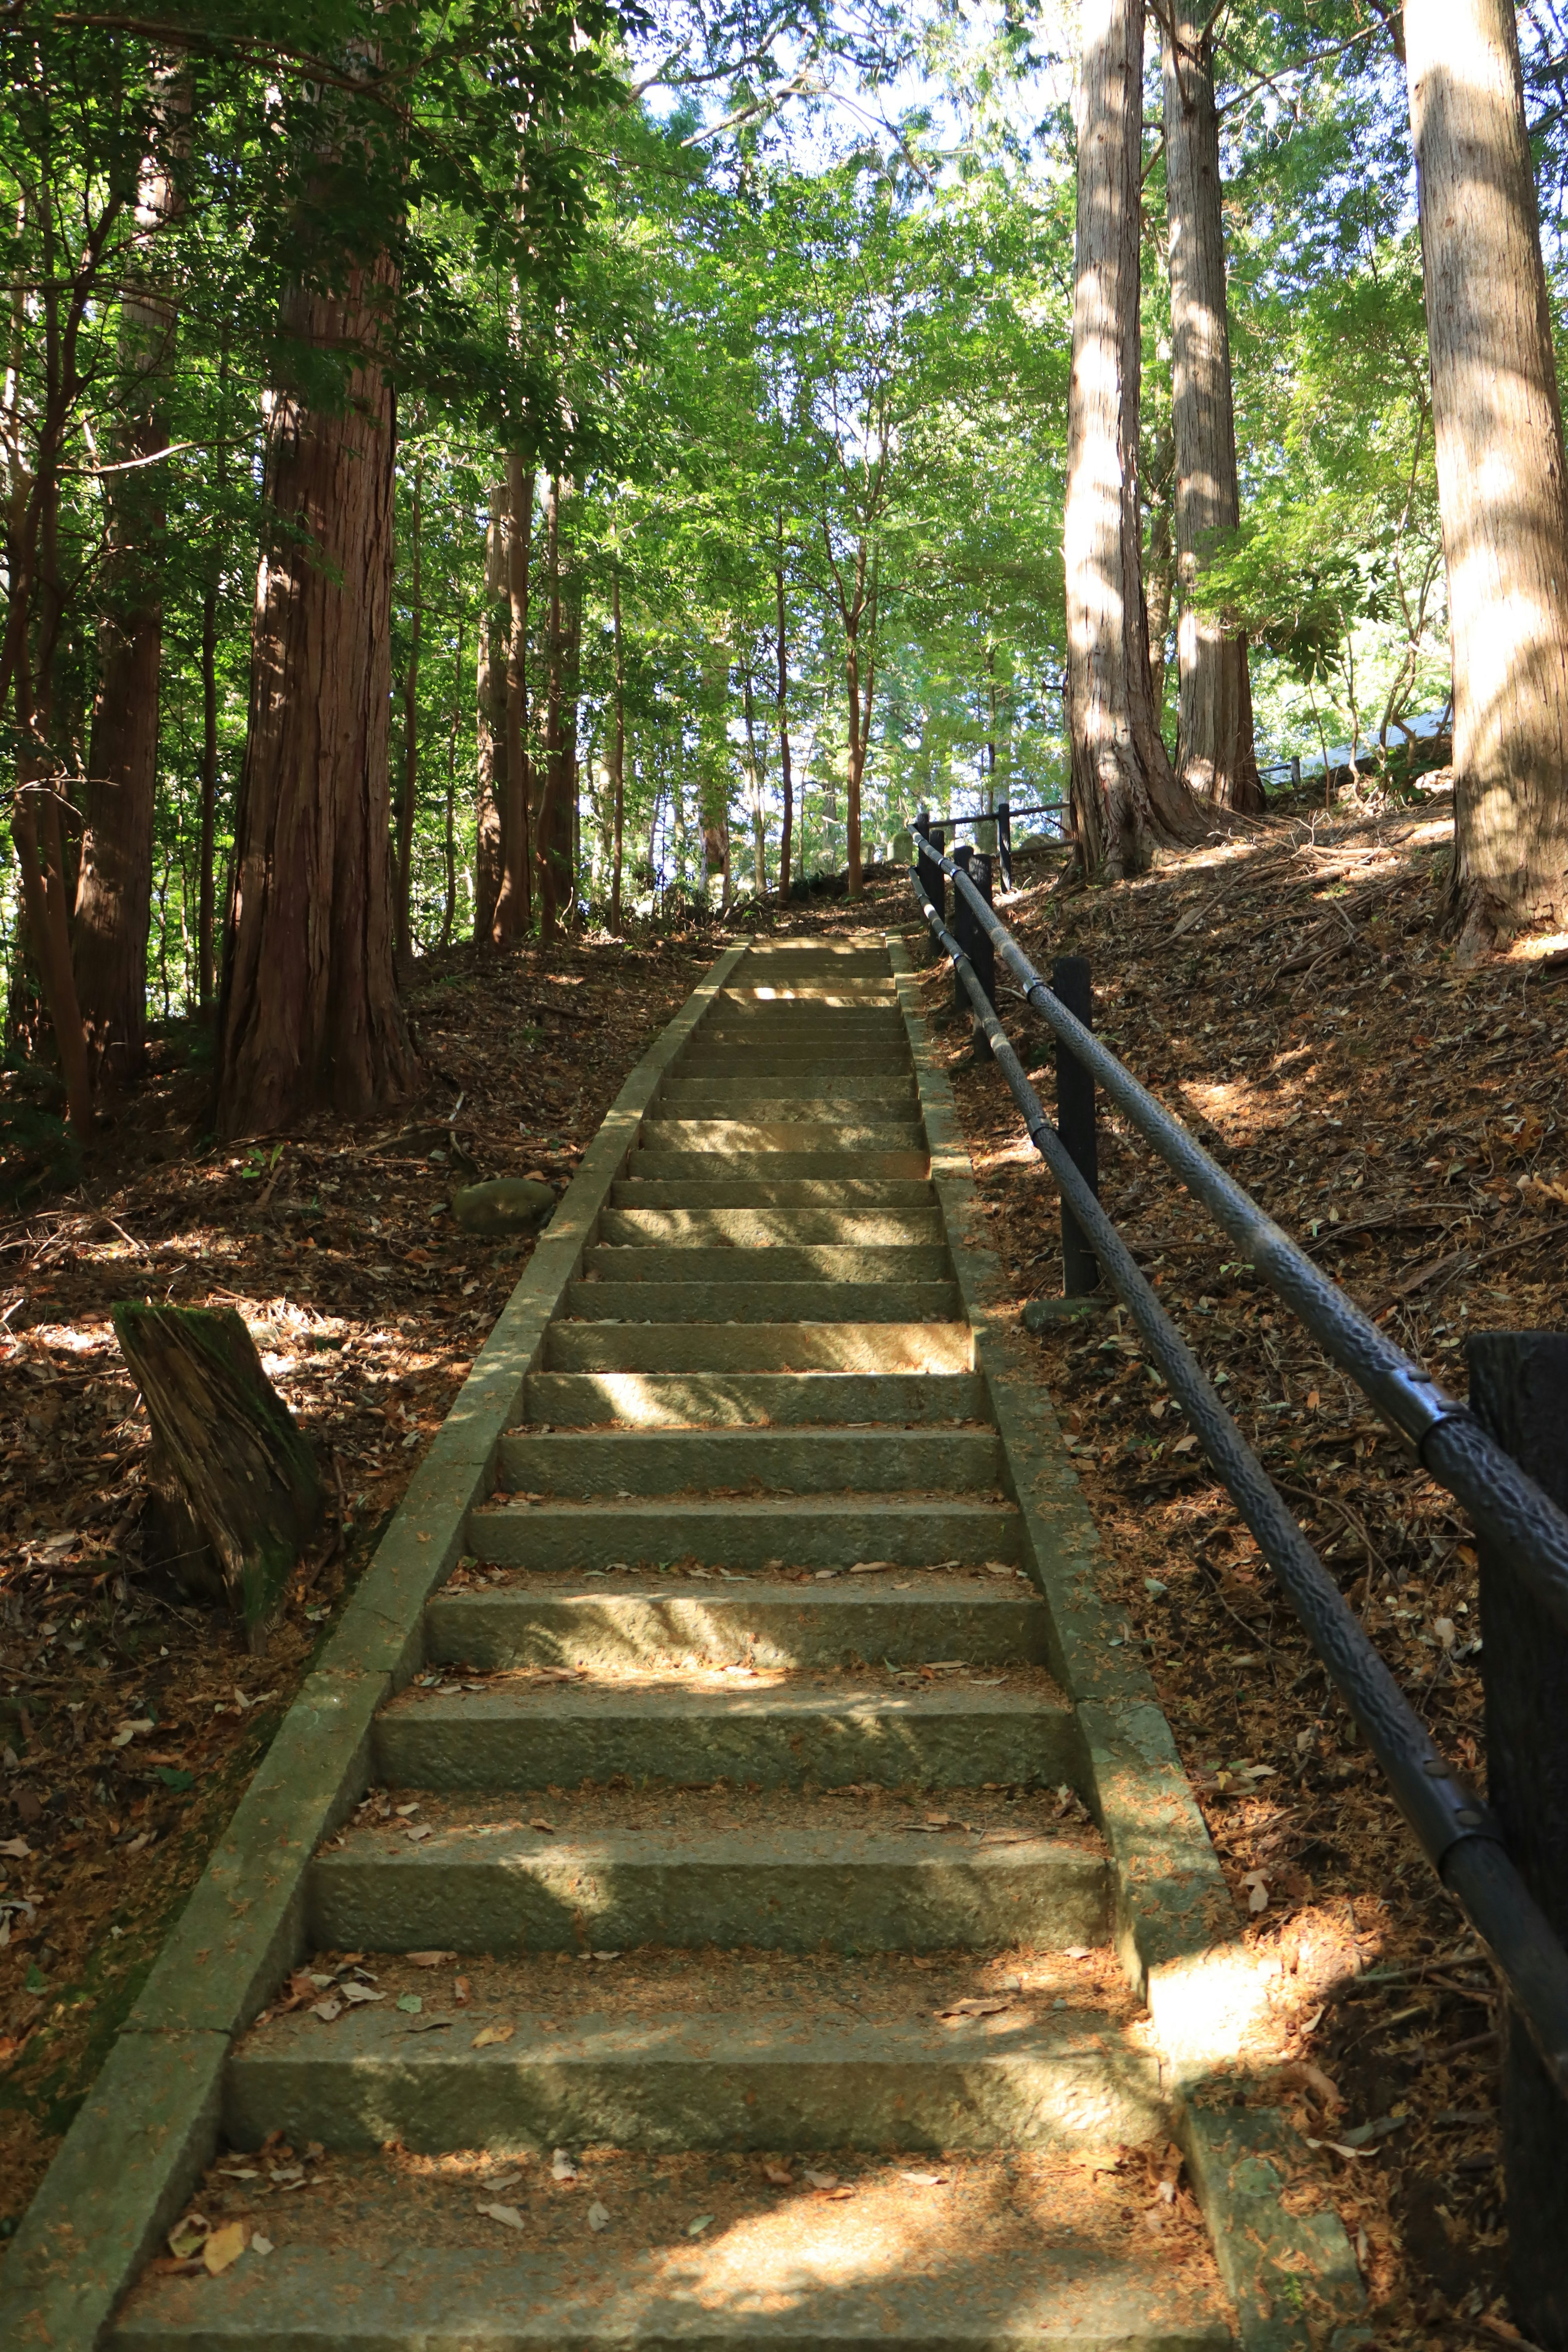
column 740, row 1400
column 792, row 1065
column 765, row 1192
column 770, row 1229
column 825, row 1462
column 772, row 1262
column 684, row 1174
column 431, row 1746
column 762, row 1302
column 622, row 1634
column 695, row 1088
column 535, row 1904
column 771, row 1107
column 764, row 1347
column 747, row 1137
column 507, row 2103
column 587, row 1535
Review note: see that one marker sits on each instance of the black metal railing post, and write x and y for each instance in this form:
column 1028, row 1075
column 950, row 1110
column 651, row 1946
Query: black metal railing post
column 982, row 953
column 1004, row 847
column 938, row 878
column 1519, row 1391
column 1076, row 1123
column 966, row 930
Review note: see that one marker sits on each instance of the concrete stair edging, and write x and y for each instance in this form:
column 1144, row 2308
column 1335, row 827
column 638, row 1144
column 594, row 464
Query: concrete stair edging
column 1293, row 2278
column 149, row 2124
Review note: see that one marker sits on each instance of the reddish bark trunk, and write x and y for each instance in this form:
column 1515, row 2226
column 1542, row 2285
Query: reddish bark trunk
column 490, row 722
column 787, row 786
column 514, row 899
column 310, row 1016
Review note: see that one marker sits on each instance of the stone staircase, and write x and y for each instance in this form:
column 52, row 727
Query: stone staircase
column 721, row 1952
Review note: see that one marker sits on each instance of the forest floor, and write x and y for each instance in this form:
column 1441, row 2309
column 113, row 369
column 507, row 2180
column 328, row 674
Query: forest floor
column 130, row 1716
column 1290, row 996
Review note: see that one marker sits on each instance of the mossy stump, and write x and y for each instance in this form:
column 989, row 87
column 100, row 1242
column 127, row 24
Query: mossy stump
column 231, row 1449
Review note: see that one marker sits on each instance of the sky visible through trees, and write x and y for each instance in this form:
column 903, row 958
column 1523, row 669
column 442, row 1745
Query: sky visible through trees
column 466, row 475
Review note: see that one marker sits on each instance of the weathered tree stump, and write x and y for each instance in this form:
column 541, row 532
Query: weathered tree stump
column 245, row 1490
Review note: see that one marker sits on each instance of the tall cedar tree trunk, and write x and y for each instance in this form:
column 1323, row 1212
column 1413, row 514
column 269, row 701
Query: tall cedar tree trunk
column 1214, row 751
column 449, row 909
column 754, row 788
column 786, row 830
column 1501, row 469
column 1125, row 793
column 206, row 912
column 311, row 1018
column 514, row 902
column 1159, row 567
column 557, row 877
column 618, row 757
column 114, row 883
column 489, row 695
column 409, row 798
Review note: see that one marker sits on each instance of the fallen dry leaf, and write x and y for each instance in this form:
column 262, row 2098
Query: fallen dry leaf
column 562, row 2167
column 976, row 2007
column 777, row 2174
column 507, row 2214
column 599, row 2216
column 489, row 2036
column 223, row 2248
column 431, row 1960
column 822, row 2180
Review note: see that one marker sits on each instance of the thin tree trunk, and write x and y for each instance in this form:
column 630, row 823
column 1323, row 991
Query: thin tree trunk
column 552, row 875
column 617, row 756
column 208, row 796
column 1125, row 794
column 409, row 800
column 310, row 1017
column 114, row 884
column 449, row 911
column 490, row 725
column 1215, row 753
column 786, row 830
column 1160, row 566
column 1501, row 479
column 514, row 904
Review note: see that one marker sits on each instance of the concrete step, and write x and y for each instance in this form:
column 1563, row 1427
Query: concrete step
column 771, row 1733
column 805, row 1874
column 773, row 1102
column 650, row 1190
column 630, row 1625
column 800, row 1530
column 689, row 1169
column 771, row 1228
column 759, row 1347
column 754, row 1400
column 720, row 1063
column 745, row 1136
column 756, row 1301
column 1015, row 2254
column 688, row 1083
column 761, row 2079
column 892, row 1264
column 771, row 1461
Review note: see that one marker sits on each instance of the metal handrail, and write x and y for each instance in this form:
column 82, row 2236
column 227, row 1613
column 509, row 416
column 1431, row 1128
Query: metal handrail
column 1456, row 1830
column 1507, row 1507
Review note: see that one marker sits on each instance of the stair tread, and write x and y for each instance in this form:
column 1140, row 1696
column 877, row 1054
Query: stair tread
column 991, row 2254
column 989, row 1829
column 873, row 1693
column 616, row 1401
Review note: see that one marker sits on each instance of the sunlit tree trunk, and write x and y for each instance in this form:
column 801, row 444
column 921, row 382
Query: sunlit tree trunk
column 514, row 901
column 618, row 758
column 1125, row 794
column 489, row 697
column 1501, row 469
column 556, row 831
column 310, row 1019
column 1215, row 746
column 114, row 880
column 409, row 799
column 449, row 909
column 1158, row 566
column 786, row 780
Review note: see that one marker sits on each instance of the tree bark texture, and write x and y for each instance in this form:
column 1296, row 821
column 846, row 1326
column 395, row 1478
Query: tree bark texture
column 1125, row 793
column 1501, row 470
column 1215, row 751
column 310, row 1017
column 490, row 727
column 246, row 1476
column 114, row 882
column 786, row 829
column 1160, row 567
column 408, row 802
column 557, row 878
column 514, row 901
column 618, row 758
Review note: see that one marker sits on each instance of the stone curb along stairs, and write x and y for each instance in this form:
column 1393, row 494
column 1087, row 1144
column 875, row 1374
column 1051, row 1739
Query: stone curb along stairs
column 761, row 1344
